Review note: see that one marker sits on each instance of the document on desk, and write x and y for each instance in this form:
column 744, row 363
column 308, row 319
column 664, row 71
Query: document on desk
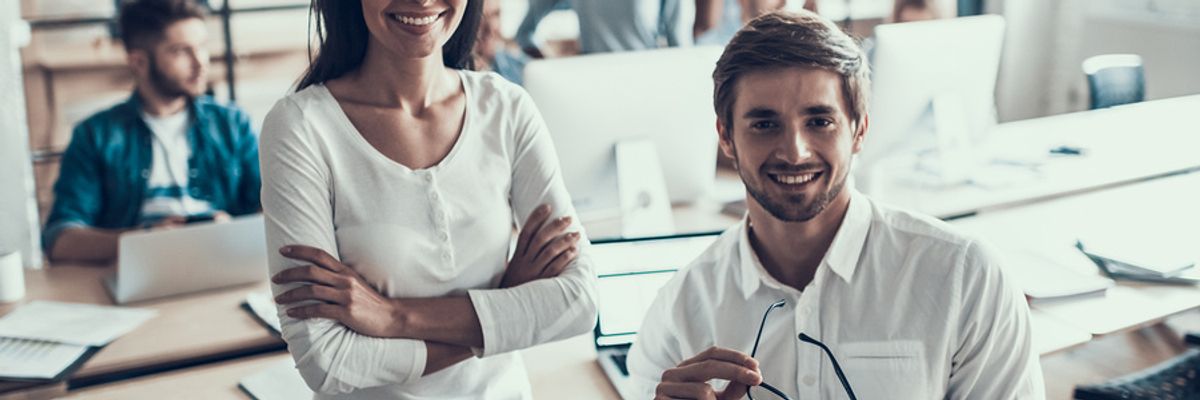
column 36, row 359
column 1053, row 273
column 72, row 323
column 263, row 306
column 279, row 382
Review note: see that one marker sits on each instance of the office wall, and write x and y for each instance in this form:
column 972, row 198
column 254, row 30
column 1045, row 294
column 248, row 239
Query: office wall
column 1047, row 41
column 18, row 214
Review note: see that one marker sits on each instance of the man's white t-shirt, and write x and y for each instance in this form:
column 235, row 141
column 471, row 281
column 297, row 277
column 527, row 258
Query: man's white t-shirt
column 167, row 185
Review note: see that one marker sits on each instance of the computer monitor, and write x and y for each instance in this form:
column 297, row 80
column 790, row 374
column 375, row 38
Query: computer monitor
column 933, row 89
column 592, row 102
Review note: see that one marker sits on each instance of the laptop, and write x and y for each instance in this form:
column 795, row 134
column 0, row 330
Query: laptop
column 630, row 273
column 192, row 258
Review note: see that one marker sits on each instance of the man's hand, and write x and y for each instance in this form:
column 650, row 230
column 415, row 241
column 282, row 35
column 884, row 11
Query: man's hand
column 543, row 249
column 690, row 379
column 167, row 222
column 343, row 294
column 533, row 52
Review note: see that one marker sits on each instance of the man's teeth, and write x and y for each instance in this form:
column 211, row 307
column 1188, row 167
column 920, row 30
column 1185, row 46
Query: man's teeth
column 415, row 21
column 794, row 179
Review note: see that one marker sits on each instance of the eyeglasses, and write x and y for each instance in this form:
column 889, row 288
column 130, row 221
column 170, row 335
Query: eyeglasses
column 765, row 391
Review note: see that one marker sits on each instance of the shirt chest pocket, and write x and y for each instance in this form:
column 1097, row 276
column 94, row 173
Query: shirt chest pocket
column 885, row 370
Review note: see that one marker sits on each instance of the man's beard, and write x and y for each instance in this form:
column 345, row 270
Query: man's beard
column 164, row 85
column 787, row 210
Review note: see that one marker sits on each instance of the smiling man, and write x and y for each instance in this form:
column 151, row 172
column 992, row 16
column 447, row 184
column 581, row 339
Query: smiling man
column 821, row 292
column 167, row 154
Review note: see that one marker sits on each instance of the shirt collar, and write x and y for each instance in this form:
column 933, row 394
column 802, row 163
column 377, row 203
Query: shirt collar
column 842, row 256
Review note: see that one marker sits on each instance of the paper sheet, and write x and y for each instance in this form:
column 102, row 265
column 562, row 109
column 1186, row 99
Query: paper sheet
column 35, row 359
column 278, row 382
column 264, row 308
column 71, row 323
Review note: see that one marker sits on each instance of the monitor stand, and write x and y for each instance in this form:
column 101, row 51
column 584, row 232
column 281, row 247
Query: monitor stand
column 645, row 206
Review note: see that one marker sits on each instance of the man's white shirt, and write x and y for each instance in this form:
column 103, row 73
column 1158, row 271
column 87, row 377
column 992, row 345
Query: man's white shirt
column 911, row 309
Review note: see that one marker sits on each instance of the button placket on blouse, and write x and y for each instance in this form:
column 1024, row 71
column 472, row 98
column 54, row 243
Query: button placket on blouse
column 440, row 218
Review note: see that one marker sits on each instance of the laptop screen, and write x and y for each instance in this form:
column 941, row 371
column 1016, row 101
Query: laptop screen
column 629, row 276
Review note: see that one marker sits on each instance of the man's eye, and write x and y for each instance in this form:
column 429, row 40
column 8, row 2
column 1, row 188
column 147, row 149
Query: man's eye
column 820, row 122
column 764, row 125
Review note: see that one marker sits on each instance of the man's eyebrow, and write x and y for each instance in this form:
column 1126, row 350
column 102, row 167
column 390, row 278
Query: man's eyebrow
column 760, row 112
column 819, row 110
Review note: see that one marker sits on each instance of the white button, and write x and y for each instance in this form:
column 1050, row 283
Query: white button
column 428, row 177
column 445, row 236
column 809, row 380
column 433, row 195
column 446, row 256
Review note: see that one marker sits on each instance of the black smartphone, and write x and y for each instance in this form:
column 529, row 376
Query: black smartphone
column 196, row 218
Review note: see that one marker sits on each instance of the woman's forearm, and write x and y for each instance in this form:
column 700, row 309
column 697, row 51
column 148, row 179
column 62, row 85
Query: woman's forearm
column 439, row 356
column 451, row 320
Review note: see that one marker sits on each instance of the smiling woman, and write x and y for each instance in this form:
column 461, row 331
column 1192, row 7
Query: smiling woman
column 394, row 176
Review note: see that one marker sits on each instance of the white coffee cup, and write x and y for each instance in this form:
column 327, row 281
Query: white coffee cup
column 12, row 277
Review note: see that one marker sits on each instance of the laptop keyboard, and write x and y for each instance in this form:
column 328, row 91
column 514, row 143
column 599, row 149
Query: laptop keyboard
column 620, row 360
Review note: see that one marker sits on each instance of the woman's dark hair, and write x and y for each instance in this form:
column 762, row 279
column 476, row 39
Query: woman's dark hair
column 342, row 36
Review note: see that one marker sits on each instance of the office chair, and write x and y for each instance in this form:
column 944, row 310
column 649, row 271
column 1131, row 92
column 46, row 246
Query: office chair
column 1114, row 79
column 1177, row 378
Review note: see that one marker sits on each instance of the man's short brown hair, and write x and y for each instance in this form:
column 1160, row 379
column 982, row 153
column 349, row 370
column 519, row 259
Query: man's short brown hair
column 784, row 39
column 142, row 22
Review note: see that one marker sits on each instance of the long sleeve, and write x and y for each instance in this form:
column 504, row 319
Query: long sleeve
column 675, row 22
column 995, row 358
column 249, row 186
column 77, row 191
column 548, row 309
column 538, row 9
column 298, row 210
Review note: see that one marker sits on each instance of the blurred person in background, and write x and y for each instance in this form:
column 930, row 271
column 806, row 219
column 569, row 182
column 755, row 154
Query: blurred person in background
column 718, row 20
column 166, row 155
column 915, row 10
column 493, row 52
column 614, row 25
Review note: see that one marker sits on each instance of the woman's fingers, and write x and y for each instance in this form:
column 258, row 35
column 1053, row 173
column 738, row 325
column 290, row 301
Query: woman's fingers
column 532, row 224
column 310, row 274
column 560, row 263
column 555, row 248
column 544, row 237
column 313, row 255
column 312, row 292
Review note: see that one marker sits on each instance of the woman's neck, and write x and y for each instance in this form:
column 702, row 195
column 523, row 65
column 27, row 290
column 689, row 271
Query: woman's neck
column 408, row 83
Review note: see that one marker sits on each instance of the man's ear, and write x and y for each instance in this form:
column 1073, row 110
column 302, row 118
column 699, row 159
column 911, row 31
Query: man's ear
column 860, row 133
column 138, row 60
column 725, row 139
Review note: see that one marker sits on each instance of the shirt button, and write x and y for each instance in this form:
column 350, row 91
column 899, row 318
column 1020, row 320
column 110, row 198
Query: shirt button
column 146, row 173
column 809, row 380
column 445, row 236
column 446, row 257
column 192, row 173
column 428, row 177
column 433, row 195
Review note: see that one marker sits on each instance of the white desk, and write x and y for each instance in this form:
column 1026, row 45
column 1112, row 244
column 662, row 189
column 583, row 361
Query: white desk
column 1122, row 145
column 1169, row 207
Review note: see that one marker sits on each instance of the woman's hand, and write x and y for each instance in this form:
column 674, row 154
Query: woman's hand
column 543, row 249
column 342, row 294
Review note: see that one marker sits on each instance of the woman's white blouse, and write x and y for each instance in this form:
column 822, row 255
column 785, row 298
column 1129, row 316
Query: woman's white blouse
column 433, row 232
